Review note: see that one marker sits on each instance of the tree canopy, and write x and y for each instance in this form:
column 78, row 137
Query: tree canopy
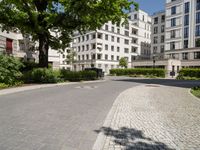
column 123, row 62
column 52, row 22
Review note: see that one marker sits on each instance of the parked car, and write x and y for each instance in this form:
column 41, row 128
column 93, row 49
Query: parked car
column 100, row 73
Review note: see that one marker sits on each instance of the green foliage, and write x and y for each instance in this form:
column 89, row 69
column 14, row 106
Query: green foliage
column 123, row 62
column 196, row 91
column 42, row 75
column 189, row 74
column 139, row 72
column 10, row 70
column 3, row 86
column 78, row 76
column 29, row 66
column 39, row 17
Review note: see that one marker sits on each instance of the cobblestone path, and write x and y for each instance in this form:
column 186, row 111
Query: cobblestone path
column 152, row 117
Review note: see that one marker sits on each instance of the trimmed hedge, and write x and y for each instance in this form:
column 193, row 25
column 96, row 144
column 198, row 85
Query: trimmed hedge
column 189, row 74
column 139, row 72
column 42, row 75
column 78, row 76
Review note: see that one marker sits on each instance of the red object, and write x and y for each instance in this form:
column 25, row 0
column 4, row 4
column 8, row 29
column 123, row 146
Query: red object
column 9, row 47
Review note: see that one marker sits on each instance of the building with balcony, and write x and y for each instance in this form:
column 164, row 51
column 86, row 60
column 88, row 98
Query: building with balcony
column 104, row 47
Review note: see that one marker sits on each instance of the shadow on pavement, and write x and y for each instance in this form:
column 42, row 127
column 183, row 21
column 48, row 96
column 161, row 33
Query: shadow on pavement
column 165, row 82
column 132, row 139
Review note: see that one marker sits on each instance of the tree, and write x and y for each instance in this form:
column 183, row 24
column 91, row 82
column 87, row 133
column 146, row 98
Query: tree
column 71, row 57
column 52, row 22
column 123, row 62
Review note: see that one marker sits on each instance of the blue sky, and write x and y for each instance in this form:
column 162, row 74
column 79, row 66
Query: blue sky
column 151, row 6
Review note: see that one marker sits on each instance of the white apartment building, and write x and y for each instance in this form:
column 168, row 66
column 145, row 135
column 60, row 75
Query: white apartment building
column 13, row 43
column 183, row 31
column 104, row 47
column 158, row 35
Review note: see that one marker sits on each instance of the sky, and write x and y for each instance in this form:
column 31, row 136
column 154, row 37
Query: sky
column 151, row 6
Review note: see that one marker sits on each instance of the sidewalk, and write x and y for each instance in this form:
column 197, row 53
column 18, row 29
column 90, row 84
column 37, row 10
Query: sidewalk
column 151, row 117
column 39, row 86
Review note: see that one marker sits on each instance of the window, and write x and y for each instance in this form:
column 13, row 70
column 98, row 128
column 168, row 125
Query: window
column 83, row 38
column 113, row 29
column 187, row 7
column 172, row 45
column 155, row 40
column 79, row 49
column 106, row 27
column 198, row 30
column 117, row 57
column 87, row 57
column 112, row 48
column 198, row 17
column 106, row 57
column 126, row 41
column 135, row 16
column 98, row 56
column 156, row 20
column 106, row 47
column 198, row 4
column 112, row 57
column 162, row 48
column 118, row 49
column 162, row 28
column 126, row 50
column 118, row 30
column 155, row 30
column 186, row 32
column 163, row 18
column 83, row 48
column 173, row 22
column 87, row 37
column 162, row 39
column 185, row 43
column 196, row 55
column 186, row 20
column 106, row 37
column 155, row 48
column 185, row 56
column 173, row 10
column 126, row 33
column 113, row 39
column 93, row 36
column 118, row 40
column 173, row 33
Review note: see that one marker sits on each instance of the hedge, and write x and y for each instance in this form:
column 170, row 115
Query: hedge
column 42, row 75
column 139, row 72
column 78, row 76
column 189, row 74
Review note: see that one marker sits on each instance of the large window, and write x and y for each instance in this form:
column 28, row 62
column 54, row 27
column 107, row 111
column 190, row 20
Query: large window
column 173, row 10
column 185, row 56
column 198, row 4
column 173, row 33
column 186, row 20
column 185, row 43
column 173, row 22
column 198, row 17
column 198, row 30
column 172, row 45
column 196, row 55
column 187, row 7
column 186, row 32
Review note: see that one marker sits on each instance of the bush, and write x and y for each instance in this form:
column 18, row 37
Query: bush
column 139, row 72
column 196, row 91
column 28, row 66
column 3, row 86
column 189, row 74
column 78, row 76
column 42, row 75
column 10, row 73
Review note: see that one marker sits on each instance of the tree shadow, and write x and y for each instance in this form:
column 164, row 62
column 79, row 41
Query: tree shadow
column 132, row 139
column 165, row 82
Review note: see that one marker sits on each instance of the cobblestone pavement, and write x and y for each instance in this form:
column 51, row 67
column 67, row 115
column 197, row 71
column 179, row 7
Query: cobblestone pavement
column 152, row 117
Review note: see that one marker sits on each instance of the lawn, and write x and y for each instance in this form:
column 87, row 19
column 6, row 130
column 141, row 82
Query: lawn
column 196, row 91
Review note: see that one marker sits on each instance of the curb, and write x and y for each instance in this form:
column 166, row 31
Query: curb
column 41, row 86
column 189, row 91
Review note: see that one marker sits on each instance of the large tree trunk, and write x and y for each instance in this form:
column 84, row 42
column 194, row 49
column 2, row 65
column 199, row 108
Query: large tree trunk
column 43, row 51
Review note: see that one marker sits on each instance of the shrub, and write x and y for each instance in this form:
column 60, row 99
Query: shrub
column 10, row 73
column 189, row 74
column 78, row 76
column 42, row 75
column 29, row 66
column 3, row 86
column 139, row 72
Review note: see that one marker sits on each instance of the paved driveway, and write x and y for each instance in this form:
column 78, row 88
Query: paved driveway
column 57, row 118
